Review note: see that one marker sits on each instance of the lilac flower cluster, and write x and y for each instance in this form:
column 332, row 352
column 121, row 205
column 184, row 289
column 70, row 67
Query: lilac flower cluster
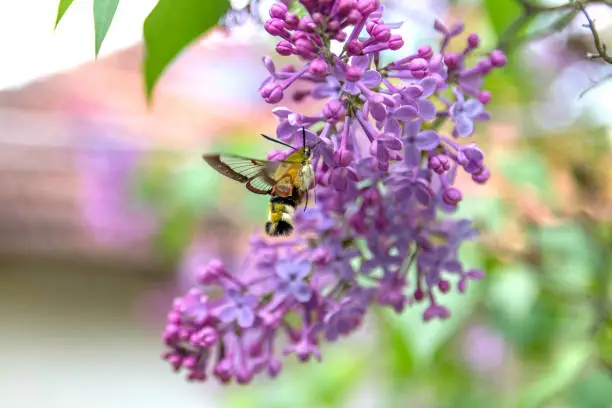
column 385, row 172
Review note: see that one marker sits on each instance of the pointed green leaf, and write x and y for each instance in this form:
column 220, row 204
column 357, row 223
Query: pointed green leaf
column 103, row 11
column 170, row 27
column 61, row 9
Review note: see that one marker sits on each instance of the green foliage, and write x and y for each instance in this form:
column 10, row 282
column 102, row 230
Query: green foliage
column 172, row 26
column 61, row 10
column 594, row 390
column 324, row 385
column 565, row 369
column 104, row 11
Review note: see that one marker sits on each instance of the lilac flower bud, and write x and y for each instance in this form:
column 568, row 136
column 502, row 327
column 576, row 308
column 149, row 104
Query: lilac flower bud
column 353, row 74
column 340, row 36
column 473, row 40
column 333, row 26
column 354, row 47
column 444, row 286
column 484, row 97
column 419, row 295
column 343, row 157
column 425, row 52
column 440, row 163
column 317, row 18
column 274, row 367
column 417, row 64
column 318, row 67
column 367, row 7
column 307, row 25
column 334, row 111
column 484, row 66
column 440, row 27
column 211, row 273
column 452, row 196
column 434, row 311
column 395, row 42
column 272, row 92
column 354, row 17
column 292, row 21
column 380, row 32
column 243, row 375
column 275, row 26
column 224, row 370
column 284, row 48
column 206, row 337
column 498, row 58
column 482, row 176
column 321, row 257
column 456, row 29
column 345, row 6
column 303, row 48
column 451, row 60
column 278, row 10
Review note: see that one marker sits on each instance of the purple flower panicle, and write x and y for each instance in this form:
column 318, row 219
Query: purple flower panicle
column 383, row 170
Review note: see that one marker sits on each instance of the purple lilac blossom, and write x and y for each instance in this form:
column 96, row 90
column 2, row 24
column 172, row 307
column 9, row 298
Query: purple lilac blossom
column 383, row 169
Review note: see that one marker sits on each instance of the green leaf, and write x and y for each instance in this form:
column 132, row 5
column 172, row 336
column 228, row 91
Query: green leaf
column 103, row 11
column 170, row 27
column 565, row 370
column 61, row 9
column 593, row 391
column 501, row 14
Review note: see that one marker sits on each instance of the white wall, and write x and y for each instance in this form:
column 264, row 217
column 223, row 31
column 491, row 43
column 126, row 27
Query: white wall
column 70, row 339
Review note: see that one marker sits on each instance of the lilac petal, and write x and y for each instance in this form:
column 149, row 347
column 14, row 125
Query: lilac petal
column 482, row 116
column 337, row 70
column 392, row 126
column 464, row 125
column 351, row 88
column 301, row 270
column 301, row 291
column 323, row 91
column 285, row 130
column 362, row 62
column 250, row 300
column 429, row 85
column 283, row 269
column 233, row 293
column 412, row 91
column 227, row 313
column 427, row 140
column 472, row 107
column 405, row 113
column 453, row 266
column 245, row 317
column 427, row 109
column 412, row 155
column 413, row 128
column 458, row 94
column 391, row 142
column 281, row 112
column 378, row 150
column 269, row 64
column 371, row 78
column 422, row 193
column 378, row 111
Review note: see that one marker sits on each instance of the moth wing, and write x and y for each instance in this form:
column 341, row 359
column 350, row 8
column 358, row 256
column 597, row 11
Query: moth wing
column 259, row 176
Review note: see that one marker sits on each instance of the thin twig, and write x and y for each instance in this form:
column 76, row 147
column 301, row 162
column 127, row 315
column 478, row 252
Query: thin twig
column 599, row 45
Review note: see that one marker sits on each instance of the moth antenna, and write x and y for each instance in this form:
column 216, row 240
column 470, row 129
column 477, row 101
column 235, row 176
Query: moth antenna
column 303, row 137
column 278, row 141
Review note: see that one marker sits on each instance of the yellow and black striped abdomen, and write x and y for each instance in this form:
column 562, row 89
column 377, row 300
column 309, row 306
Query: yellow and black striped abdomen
column 280, row 217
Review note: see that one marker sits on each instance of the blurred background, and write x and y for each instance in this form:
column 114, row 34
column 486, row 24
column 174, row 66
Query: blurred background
column 106, row 212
